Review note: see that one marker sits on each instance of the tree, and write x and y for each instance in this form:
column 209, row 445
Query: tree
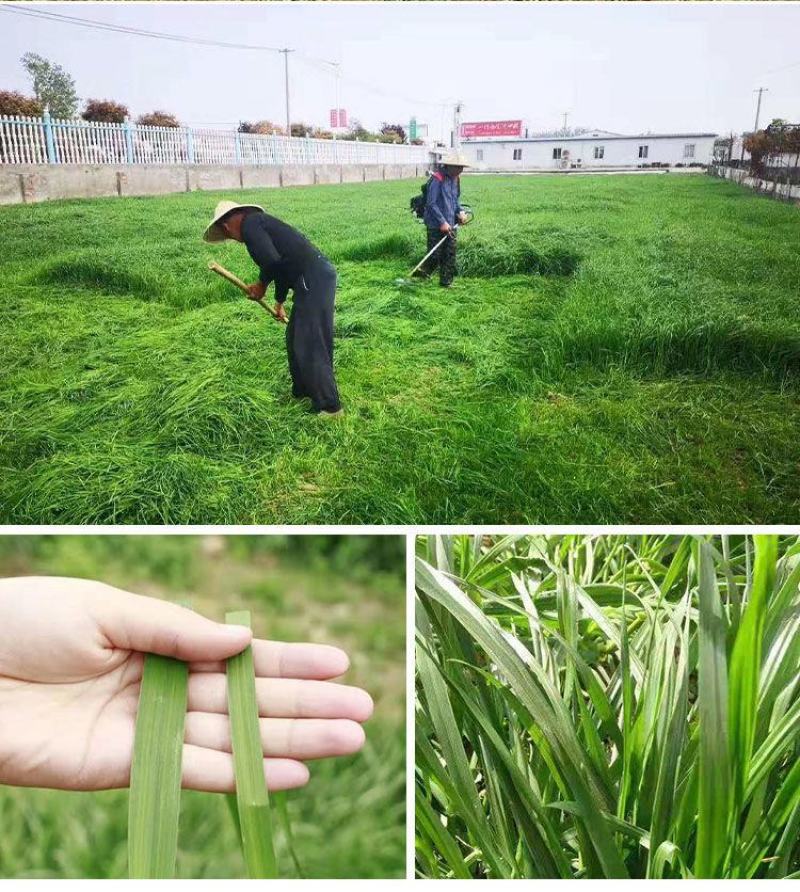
column 52, row 85
column 158, row 119
column 358, row 131
column 320, row 133
column 14, row 103
column 301, row 129
column 265, row 127
column 393, row 130
column 105, row 110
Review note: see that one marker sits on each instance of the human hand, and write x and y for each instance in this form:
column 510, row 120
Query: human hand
column 71, row 658
column 445, row 227
column 462, row 217
column 280, row 312
column 257, row 291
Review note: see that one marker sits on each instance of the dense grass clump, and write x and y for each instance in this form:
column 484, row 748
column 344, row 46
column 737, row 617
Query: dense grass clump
column 617, row 348
column 608, row 707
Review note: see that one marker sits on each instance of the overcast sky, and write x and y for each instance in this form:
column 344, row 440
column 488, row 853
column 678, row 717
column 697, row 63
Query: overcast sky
column 626, row 67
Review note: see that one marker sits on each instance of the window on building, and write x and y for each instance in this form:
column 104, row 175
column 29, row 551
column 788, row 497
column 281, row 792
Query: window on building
column 518, row 154
column 556, row 154
column 643, row 151
column 688, row 150
column 599, row 151
column 480, row 154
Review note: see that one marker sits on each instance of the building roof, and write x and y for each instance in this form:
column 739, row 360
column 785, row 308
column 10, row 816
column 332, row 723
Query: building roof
column 595, row 134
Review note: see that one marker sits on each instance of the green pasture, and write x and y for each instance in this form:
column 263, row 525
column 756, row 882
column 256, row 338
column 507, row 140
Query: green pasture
column 347, row 591
column 619, row 348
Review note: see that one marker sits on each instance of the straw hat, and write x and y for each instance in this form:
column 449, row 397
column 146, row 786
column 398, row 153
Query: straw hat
column 214, row 232
column 455, row 159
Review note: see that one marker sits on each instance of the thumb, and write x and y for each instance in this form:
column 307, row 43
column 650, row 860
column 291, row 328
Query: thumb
column 135, row 622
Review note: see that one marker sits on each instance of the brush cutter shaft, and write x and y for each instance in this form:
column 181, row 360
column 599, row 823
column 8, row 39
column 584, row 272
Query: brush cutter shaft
column 235, row 280
column 432, row 251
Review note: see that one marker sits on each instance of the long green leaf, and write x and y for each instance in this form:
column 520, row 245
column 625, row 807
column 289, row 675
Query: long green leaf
column 745, row 667
column 714, row 791
column 155, row 795
column 248, row 760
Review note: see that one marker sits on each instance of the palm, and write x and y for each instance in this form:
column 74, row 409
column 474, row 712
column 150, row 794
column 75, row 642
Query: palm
column 76, row 735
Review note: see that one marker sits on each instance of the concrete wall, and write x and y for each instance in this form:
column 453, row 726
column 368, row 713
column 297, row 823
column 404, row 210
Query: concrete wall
column 784, row 191
column 537, row 154
column 29, row 183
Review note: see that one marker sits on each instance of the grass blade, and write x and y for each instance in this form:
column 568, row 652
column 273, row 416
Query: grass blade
column 745, row 667
column 248, row 761
column 155, row 794
column 713, row 813
column 282, row 808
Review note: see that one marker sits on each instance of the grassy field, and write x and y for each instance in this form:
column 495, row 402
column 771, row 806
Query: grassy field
column 347, row 591
column 618, row 349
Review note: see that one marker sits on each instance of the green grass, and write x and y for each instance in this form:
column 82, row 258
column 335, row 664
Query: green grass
column 155, row 790
column 343, row 590
column 608, row 707
column 253, row 807
column 620, row 348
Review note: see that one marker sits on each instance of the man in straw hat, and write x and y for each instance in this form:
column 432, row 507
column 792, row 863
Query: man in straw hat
column 287, row 258
column 442, row 213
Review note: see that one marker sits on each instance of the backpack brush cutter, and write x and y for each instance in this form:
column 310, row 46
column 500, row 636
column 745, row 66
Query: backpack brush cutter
column 417, row 207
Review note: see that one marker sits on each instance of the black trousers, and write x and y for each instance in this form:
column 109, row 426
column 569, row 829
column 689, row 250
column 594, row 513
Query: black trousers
column 309, row 337
column 444, row 258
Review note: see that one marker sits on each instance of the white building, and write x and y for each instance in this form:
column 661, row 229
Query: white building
column 597, row 149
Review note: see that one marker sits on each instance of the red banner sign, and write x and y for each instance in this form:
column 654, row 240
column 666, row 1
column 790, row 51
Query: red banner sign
column 338, row 118
column 491, row 128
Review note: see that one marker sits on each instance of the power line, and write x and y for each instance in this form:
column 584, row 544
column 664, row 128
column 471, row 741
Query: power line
column 782, row 68
column 314, row 61
column 371, row 88
column 95, row 25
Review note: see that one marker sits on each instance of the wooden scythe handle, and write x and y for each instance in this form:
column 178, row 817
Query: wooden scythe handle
column 235, row 280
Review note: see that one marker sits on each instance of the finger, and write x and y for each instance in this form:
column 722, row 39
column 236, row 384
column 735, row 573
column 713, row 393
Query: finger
column 281, row 738
column 134, row 622
column 275, row 659
column 286, row 698
column 212, row 771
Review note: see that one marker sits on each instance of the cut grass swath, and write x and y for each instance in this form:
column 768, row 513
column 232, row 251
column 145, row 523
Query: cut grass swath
column 155, row 785
column 252, row 798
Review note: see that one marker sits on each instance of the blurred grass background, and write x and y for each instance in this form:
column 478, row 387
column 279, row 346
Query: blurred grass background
column 345, row 590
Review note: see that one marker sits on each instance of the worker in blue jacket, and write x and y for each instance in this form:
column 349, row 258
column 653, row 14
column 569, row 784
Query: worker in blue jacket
column 442, row 212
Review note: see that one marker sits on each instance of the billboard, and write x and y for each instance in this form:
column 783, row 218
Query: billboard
column 491, row 128
column 338, row 118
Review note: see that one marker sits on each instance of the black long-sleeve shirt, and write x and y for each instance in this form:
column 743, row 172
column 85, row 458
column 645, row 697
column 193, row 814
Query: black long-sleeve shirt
column 279, row 250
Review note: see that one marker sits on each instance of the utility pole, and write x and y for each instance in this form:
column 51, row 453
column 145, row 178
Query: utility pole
column 457, row 125
column 760, row 90
column 566, row 115
column 286, row 74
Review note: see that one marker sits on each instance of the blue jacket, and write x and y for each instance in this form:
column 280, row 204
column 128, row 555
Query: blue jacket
column 441, row 204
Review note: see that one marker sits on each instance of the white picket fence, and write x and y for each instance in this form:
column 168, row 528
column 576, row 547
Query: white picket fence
column 51, row 141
